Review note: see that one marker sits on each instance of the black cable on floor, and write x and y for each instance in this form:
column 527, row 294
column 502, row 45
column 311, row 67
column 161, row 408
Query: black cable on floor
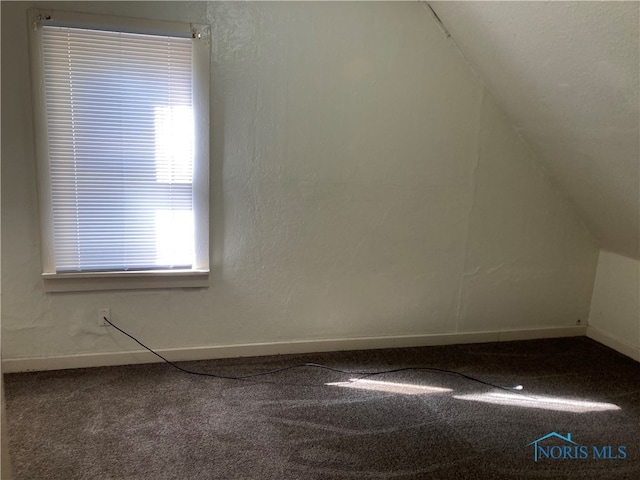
column 361, row 374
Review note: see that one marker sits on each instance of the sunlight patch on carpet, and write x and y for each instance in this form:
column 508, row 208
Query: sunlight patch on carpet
column 390, row 387
column 544, row 402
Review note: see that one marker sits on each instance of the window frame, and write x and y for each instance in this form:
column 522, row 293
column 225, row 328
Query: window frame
column 198, row 275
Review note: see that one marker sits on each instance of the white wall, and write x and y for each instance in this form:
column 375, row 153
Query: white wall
column 363, row 185
column 615, row 308
column 527, row 261
column 568, row 76
column 5, row 461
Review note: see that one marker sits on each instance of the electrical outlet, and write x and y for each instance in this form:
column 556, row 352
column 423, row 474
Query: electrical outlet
column 102, row 313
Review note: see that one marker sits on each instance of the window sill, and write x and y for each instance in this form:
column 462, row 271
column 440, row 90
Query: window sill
column 86, row 282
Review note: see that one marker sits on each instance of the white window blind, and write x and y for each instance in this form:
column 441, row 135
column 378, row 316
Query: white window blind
column 120, row 134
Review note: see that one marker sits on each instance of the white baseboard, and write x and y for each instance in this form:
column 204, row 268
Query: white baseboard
column 12, row 365
column 614, row 343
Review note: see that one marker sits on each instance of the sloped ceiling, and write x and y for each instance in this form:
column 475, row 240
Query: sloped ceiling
column 567, row 75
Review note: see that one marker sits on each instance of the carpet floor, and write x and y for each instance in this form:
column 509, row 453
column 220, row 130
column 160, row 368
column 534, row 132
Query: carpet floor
column 155, row 422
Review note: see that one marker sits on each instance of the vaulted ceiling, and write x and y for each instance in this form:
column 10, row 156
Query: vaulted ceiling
column 567, row 75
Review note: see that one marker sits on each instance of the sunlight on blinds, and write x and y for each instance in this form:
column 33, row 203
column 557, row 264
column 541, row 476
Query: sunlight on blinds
column 120, row 132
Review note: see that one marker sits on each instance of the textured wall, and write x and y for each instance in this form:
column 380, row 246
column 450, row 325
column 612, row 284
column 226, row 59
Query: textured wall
column 615, row 308
column 527, row 261
column 361, row 186
column 568, row 76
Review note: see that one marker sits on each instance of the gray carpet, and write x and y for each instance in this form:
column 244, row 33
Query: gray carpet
column 154, row 422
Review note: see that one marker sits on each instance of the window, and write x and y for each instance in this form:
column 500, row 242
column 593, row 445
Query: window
column 122, row 141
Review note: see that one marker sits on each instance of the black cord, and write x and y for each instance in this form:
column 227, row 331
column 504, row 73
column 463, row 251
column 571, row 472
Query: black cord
column 361, row 374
